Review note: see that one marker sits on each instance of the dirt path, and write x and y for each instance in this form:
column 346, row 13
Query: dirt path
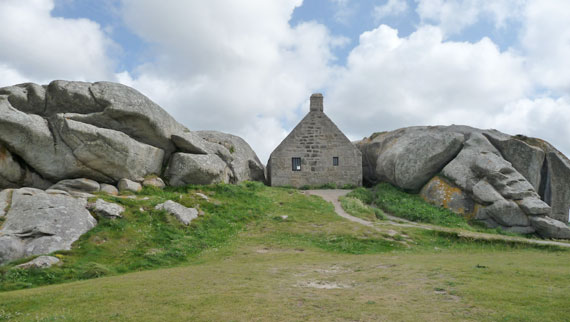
column 333, row 196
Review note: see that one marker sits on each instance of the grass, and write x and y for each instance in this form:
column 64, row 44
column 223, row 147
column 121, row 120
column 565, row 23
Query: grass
column 363, row 194
column 357, row 208
column 147, row 238
column 265, row 254
column 412, row 207
column 270, row 282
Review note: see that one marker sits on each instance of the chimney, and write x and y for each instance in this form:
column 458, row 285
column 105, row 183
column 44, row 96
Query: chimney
column 317, row 102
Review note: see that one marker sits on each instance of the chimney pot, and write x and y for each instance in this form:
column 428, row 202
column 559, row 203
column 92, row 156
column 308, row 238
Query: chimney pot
column 317, row 102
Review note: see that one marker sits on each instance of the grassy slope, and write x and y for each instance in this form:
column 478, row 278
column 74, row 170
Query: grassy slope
column 243, row 261
column 146, row 238
column 357, row 208
column 413, row 207
column 392, row 200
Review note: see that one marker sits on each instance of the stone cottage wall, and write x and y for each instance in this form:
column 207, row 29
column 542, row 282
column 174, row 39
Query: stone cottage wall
column 316, row 140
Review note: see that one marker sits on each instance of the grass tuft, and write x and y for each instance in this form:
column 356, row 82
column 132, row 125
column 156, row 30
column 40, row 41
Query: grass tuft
column 412, row 207
column 357, row 208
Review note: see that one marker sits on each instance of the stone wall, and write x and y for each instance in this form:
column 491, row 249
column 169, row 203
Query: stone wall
column 316, row 140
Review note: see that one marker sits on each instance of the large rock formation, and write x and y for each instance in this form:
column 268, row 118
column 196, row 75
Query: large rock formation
column 187, row 168
column 244, row 162
column 410, row 156
column 85, row 138
column 520, row 184
column 40, row 223
column 105, row 132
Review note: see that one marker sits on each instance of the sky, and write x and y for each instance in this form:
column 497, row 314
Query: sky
column 248, row 67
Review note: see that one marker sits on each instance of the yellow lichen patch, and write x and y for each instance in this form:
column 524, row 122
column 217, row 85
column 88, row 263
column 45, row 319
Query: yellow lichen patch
column 442, row 193
column 475, row 211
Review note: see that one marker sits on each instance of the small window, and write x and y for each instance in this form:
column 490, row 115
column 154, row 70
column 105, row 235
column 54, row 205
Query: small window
column 296, row 163
column 335, row 161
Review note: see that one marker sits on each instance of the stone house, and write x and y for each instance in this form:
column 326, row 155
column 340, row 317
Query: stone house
column 316, row 152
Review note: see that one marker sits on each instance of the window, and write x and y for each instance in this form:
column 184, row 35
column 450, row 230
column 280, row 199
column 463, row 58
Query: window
column 335, row 161
column 296, row 163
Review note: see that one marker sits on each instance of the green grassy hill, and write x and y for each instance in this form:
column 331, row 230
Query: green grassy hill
column 261, row 253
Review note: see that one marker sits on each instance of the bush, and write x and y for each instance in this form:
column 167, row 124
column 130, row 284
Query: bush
column 363, row 194
column 379, row 214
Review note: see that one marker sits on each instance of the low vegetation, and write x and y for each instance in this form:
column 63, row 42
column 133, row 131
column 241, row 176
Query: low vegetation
column 412, row 207
column 147, row 238
column 358, row 208
column 385, row 198
column 262, row 253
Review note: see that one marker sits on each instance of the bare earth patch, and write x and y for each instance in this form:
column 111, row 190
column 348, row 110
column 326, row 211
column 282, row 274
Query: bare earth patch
column 322, row 285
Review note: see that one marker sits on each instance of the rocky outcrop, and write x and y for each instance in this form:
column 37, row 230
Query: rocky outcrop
column 153, row 182
column 129, row 185
column 108, row 152
column 27, row 97
column 556, row 181
column 526, row 159
column 77, row 185
column 77, row 139
column 116, row 107
column 30, row 137
column 34, row 221
column 109, row 189
column 517, row 183
column 40, row 223
column 187, row 168
column 440, row 192
column 550, row 228
column 106, row 209
column 182, row 214
column 40, row 262
column 13, row 174
column 5, row 199
column 105, row 132
column 410, row 156
column 243, row 161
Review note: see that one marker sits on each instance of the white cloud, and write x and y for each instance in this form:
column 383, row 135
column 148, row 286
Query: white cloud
column 10, row 76
column 452, row 16
column 546, row 42
column 391, row 82
column 544, row 48
column 390, row 8
column 222, row 64
column 38, row 47
column 241, row 68
column 344, row 11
